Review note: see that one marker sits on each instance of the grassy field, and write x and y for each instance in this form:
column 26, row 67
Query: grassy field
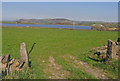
column 57, row 52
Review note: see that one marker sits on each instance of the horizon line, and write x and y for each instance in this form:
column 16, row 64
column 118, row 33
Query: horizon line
column 65, row 18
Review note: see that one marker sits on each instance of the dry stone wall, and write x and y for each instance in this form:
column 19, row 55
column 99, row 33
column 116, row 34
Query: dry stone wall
column 10, row 64
column 112, row 49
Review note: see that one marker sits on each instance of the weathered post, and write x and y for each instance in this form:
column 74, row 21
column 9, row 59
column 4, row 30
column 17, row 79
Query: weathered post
column 112, row 50
column 24, row 55
column 108, row 54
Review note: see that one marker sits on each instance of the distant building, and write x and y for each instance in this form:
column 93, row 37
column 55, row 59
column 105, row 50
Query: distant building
column 101, row 25
column 98, row 25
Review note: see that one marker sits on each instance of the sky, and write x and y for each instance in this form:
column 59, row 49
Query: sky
column 60, row 0
column 79, row 11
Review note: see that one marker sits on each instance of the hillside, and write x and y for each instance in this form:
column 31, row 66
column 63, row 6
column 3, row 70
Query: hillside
column 58, row 21
column 46, row 21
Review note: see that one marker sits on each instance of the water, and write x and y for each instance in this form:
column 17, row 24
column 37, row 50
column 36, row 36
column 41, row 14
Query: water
column 49, row 26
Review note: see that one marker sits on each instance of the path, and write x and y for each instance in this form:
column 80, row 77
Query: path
column 54, row 70
column 98, row 73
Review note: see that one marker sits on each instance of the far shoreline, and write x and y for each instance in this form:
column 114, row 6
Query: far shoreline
column 58, row 28
column 43, row 28
column 41, row 23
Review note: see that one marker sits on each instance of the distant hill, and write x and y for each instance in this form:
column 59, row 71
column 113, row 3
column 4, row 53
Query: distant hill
column 58, row 21
column 46, row 21
column 63, row 21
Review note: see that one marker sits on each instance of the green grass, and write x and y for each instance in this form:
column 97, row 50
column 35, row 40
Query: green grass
column 56, row 43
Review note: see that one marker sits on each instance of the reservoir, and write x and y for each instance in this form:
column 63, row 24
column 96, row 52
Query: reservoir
column 49, row 26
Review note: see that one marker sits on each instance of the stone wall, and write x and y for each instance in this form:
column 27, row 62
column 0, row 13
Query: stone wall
column 10, row 64
column 113, row 49
column 99, row 28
